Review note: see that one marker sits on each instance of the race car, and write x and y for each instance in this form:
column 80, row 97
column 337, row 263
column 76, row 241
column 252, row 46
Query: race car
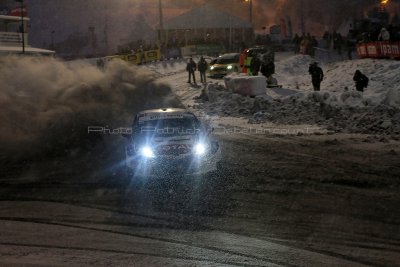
column 170, row 141
column 224, row 65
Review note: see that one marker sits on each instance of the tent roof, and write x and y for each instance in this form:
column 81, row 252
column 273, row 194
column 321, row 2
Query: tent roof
column 206, row 17
column 28, row 50
column 14, row 18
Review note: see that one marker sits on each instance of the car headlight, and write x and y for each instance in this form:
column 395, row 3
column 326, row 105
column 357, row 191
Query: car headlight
column 199, row 149
column 147, row 152
column 229, row 67
column 212, row 67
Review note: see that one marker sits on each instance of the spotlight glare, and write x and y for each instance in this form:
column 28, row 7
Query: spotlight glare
column 147, row 152
column 199, row 149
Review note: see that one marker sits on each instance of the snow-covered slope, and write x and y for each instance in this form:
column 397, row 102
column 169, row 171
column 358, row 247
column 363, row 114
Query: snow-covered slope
column 337, row 107
column 292, row 72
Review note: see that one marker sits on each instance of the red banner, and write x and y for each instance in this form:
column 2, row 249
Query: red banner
column 379, row 50
column 17, row 12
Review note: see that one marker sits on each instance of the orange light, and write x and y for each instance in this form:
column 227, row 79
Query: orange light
column 384, row 2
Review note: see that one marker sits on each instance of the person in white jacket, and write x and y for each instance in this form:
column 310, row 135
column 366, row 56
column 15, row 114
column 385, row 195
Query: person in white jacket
column 384, row 35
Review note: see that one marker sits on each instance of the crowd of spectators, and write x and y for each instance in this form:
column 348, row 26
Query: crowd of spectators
column 379, row 33
column 305, row 44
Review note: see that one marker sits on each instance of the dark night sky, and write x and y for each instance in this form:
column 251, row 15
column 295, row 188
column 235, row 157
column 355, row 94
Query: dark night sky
column 128, row 19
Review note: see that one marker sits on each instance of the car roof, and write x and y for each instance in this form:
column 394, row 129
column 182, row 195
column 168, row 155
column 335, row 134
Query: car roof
column 258, row 48
column 165, row 113
column 229, row 55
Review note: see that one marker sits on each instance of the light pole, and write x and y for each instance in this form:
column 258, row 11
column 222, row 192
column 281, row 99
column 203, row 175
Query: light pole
column 22, row 25
column 230, row 32
column 302, row 22
column 92, row 35
column 52, row 39
column 250, row 10
column 161, row 21
column 186, row 37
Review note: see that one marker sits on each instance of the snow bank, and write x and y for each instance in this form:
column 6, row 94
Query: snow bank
column 46, row 105
column 245, row 85
column 346, row 112
column 167, row 67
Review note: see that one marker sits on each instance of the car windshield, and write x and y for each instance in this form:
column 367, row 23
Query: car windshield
column 181, row 123
column 226, row 60
column 200, row 133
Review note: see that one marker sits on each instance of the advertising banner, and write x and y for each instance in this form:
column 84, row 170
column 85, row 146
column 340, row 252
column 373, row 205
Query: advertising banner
column 379, row 50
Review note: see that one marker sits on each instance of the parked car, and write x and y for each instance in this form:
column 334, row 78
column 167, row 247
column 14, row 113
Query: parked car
column 224, row 65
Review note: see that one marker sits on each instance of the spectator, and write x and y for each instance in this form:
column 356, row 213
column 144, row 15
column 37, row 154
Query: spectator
column 317, row 76
column 337, row 42
column 267, row 69
column 313, row 46
column 361, row 81
column 255, row 65
column 384, row 35
column 327, row 39
column 350, row 47
column 296, row 42
column 304, row 45
column 202, row 66
column 191, row 68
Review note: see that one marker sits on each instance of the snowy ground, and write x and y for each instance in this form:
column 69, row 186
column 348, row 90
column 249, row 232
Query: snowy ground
column 284, row 197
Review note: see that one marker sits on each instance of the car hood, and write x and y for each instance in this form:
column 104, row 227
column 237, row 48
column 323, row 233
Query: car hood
column 222, row 65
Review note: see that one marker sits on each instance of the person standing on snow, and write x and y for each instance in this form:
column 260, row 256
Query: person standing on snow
column 202, row 66
column 317, row 75
column 191, row 68
column 255, row 65
column 337, row 42
column 267, row 69
column 313, row 46
column 361, row 81
column 296, row 42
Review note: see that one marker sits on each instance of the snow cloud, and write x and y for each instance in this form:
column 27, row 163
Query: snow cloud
column 46, row 105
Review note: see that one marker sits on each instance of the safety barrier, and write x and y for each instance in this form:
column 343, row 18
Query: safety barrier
column 379, row 50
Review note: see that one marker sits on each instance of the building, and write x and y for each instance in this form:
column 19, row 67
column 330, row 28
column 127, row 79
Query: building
column 14, row 34
column 207, row 24
column 14, row 30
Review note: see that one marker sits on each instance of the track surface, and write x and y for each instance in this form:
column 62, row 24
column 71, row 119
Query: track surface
column 278, row 201
column 318, row 200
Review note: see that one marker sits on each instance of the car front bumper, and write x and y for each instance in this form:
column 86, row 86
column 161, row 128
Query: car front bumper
column 163, row 166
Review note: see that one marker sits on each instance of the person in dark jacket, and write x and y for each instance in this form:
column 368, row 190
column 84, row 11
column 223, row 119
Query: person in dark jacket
column 296, row 42
column 202, row 66
column 255, row 65
column 191, row 68
column 313, row 46
column 317, row 75
column 361, row 81
column 267, row 69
